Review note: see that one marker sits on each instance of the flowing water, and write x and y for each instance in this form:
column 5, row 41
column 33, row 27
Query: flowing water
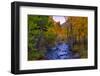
column 60, row 51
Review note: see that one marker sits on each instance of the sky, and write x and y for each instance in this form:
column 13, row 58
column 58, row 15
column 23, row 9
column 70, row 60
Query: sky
column 60, row 19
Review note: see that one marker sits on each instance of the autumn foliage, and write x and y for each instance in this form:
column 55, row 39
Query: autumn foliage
column 44, row 33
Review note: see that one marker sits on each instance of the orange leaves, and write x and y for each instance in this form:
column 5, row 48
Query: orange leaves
column 75, row 27
column 79, row 26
